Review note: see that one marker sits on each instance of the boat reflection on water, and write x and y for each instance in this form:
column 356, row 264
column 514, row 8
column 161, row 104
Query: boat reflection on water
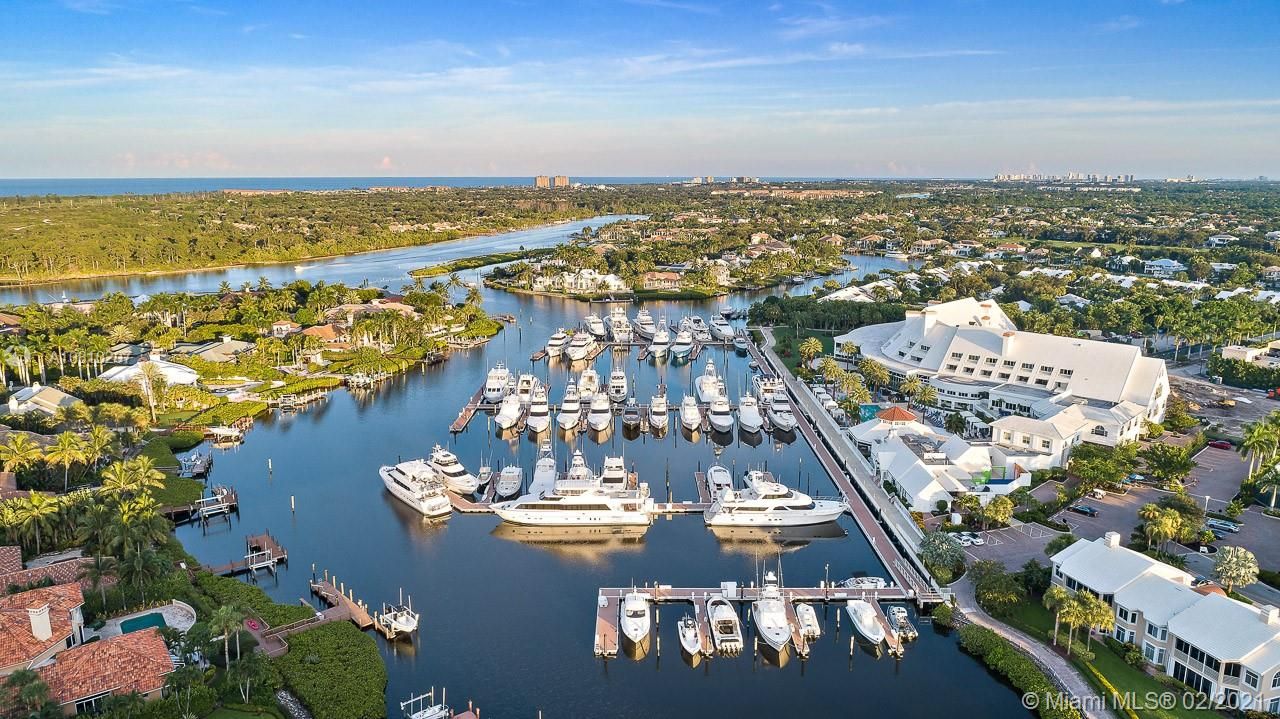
column 784, row 436
column 751, row 439
column 418, row 526
column 754, row 540
column 582, row 544
column 721, row 439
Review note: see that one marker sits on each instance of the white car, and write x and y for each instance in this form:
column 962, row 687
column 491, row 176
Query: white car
column 963, row 540
column 975, row 538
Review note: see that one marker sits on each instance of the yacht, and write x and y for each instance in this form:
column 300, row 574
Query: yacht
column 765, row 387
column 720, row 415
column 619, row 325
column 634, row 620
column 863, row 583
column 417, row 484
column 456, row 478
column 614, row 473
column 570, row 407
column 770, row 615
column 865, row 620
column 728, row 313
column 539, row 419
column 690, row 642
column 600, row 415
column 726, row 631
column 721, row 329
column 631, row 413
column 779, row 412
column 509, row 412
column 683, row 344
column 588, row 383
column 580, row 346
column 524, row 388
column 807, row 618
column 709, row 384
column 697, row 324
column 661, row 341
column 749, row 414
column 557, row 343
column 896, row 256
column 595, row 326
column 658, row 409
column 579, row 503
column 579, row 472
column 719, row 480
column 643, row 324
column 509, row 481
column 544, row 470
column 495, row 385
column 740, row 343
column 690, row 414
column 762, row 503
column 618, row 385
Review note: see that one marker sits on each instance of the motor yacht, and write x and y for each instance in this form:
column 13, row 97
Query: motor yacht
column 580, row 346
column 769, row 612
column 570, row 407
column 726, row 630
column 613, row 475
column 761, row 503
column 619, row 326
column 764, row 387
column 588, row 383
column 709, row 383
column 807, row 618
column 579, row 472
column 539, row 419
column 509, row 481
column 495, row 384
column 740, row 344
column 417, row 484
column 690, row 414
column 509, row 412
column 863, row 583
column 600, row 414
column 524, row 388
column 658, row 409
column 749, row 418
column 721, row 329
column 660, row 344
column 456, row 478
column 866, row 620
column 618, row 385
column 571, row 502
column 595, row 325
column 544, row 470
column 631, row 413
column 697, row 324
column 683, row 344
column 643, row 324
column 779, row 412
column 728, row 313
column 555, row 346
column 719, row 480
column 720, row 415
column 690, row 642
column 634, row 620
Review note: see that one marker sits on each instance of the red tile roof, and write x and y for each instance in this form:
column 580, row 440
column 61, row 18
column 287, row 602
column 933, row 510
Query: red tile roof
column 896, row 414
column 17, row 643
column 63, row 572
column 134, row 662
column 10, row 560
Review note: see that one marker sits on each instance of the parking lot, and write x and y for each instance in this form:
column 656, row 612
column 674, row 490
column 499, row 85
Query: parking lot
column 1259, row 534
column 1116, row 513
column 1217, row 475
column 1013, row 546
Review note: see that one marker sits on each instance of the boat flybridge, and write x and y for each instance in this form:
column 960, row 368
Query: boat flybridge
column 721, row 329
column 495, row 384
column 570, row 407
column 556, row 345
column 865, row 620
column 635, row 621
column 524, row 388
column 580, row 346
column 726, row 630
column 588, row 383
column 618, row 385
column 456, row 478
column 690, row 414
column 710, row 385
column 770, row 615
column 417, row 484
column 720, row 414
column 539, row 419
column 509, row 481
column 683, row 344
column 613, row 475
column 575, row 501
column 631, row 413
column 619, row 326
column 749, row 418
column 643, row 324
column 600, row 414
column 762, row 503
column 660, row 343
column 658, row 409
column 595, row 325
column 509, row 412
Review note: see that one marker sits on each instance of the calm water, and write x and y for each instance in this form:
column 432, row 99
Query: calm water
column 165, row 185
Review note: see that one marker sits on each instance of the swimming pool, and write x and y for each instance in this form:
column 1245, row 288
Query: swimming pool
column 868, row 411
column 145, row 621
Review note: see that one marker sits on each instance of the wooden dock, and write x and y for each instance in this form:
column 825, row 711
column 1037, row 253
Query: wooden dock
column 338, row 597
column 262, row 551
column 468, row 411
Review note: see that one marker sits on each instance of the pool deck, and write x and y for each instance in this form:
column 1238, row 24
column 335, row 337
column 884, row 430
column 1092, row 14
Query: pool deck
column 175, row 615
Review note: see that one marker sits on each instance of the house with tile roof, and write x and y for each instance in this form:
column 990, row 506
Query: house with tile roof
column 37, row 624
column 44, row 400
column 83, row 678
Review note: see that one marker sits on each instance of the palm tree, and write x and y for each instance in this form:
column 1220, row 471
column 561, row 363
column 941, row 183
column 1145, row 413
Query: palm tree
column 1099, row 614
column 911, row 386
column 224, row 621
column 1055, row 598
column 875, row 373
column 1074, row 615
column 830, row 369
column 37, row 515
column 927, row 395
column 66, row 451
column 141, row 566
column 809, row 348
column 29, row 689
column 98, row 444
column 21, row 452
column 98, row 571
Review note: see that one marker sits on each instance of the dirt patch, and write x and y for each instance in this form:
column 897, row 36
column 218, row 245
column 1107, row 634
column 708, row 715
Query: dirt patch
column 1208, row 397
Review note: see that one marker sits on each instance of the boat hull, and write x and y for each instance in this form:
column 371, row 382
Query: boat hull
column 432, row 507
column 568, row 518
column 569, row 420
column 823, row 512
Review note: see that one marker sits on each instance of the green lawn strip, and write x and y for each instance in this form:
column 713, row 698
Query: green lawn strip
column 470, row 263
column 178, row 492
column 227, row 413
column 161, row 453
column 301, row 385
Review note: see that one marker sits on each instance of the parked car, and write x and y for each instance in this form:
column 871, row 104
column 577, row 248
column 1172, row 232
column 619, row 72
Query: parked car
column 1221, row 444
column 963, row 540
column 1222, row 524
column 1083, row 509
column 975, row 539
column 1099, row 494
column 1135, row 477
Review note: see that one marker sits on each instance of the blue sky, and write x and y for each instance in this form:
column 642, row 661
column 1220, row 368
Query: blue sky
column 152, row 88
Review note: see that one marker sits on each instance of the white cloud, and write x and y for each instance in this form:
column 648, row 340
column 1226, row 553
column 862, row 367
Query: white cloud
column 801, row 27
column 1122, row 23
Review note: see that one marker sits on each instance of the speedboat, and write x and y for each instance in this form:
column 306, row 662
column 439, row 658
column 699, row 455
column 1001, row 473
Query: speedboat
column 544, row 470
column 770, row 615
column 631, row 413
column 726, row 631
column 709, row 384
column 580, row 346
column 509, row 481
column 690, row 642
column 643, row 324
column 749, row 414
column 613, row 475
column 618, row 385
column 658, row 409
column 495, row 384
column 740, row 343
column 595, row 326
column 808, row 619
column 509, row 412
column 417, row 484
column 555, row 345
column 720, row 415
column 721, row 329
column 588, row 383
column 600, row 415
column 719, row 480
column 661, row 341
column 683, row 344
column 524, row 388
column 483, row 476
column 619, row 325
column 690, row 414
column 634, row 620
column 761, row 503
column 578, row 502
column 456, row 478
column 863, row 583
column 570, row 407
column 865, row 620
column 539, row 419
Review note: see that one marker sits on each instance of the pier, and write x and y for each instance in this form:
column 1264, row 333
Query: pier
column 223, row 502
column 262, row 551
column 338, row 597
column 468, row 411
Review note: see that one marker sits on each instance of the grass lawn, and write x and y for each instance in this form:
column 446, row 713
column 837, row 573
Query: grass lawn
column 168, row 419
column 787, row 342
column 179, row 491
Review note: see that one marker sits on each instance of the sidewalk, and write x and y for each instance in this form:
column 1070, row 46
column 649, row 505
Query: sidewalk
column 1060, row 671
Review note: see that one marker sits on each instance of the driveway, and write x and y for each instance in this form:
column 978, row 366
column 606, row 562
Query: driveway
column 1116, row 513
column 1013, row 546
column 1217, row 475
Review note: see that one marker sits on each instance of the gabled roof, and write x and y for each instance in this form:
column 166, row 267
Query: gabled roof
column 17, row 643
column 1108, row 569
column 1227, row 629
column 134, row 662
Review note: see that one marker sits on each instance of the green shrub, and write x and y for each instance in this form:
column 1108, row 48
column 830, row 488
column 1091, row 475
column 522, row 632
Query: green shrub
column 178, row 492
column 336, row 671
column 224, row 414
column 183, row 440
column 225, row 590
column 303, row 385
column 1020, row 670
column 943, row 615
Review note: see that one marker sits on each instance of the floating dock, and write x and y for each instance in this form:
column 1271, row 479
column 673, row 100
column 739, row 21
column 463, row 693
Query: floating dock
column 262, row 551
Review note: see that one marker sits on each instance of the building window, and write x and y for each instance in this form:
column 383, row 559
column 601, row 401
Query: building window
column 1003, row 375
column 1028, row 366
column 1231, row 670
column 1044, row 444
column 1251, row 679
column 1100, row 430
column 991, row 360
column 1024, row 378
column 986, row 373
column 1158, row 632
column 1154, row 654
column 973, row 358
column 968, row 370
column 924, row 348
column 1065, row 372
column 953, row 367
column 93, row 704
column 1009, row 363
column 957, row 355
column 1275, row 681
column 1042, row 382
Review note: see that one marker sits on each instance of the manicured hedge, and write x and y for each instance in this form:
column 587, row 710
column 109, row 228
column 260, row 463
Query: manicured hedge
column 227, row 413
column 336, row 671
column 178, row 492
column 303, row 385
column 1020, row 670
column 225, row 590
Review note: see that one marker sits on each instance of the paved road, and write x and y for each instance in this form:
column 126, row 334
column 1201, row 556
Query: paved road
column 1202, row 565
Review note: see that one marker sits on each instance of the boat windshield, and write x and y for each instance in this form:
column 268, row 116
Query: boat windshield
column 635, row 613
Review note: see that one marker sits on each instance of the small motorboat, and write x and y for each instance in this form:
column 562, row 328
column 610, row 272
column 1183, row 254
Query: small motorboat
column 483, row 476
column 719, row 479
column 808, row 619
column 863, row 583
column 658, row 409
column 634, row 619
column 749, row 414
column 690, row 414
column 726, row 630
column 509, row 481
column 690, row 642
column 570, row 407
column 509, row 412
column 631, row 413
column 600, row 415
column 865, row 620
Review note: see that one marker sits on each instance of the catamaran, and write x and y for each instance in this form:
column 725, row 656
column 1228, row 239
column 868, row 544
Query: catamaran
column 509, row 412
column 683, row 344
column 721, row 329
column 661, row 341
column 720, row 414
column 643, row 324
column 509, row 481
column 570, row 407
column 690, row 414
column 495, row 384
column 600, row 415
column 595, row 326
column 618, row 385
column 865, row 620
column 539, row 419
column 762, row 503
column 658, row 409
column 634, row 620
column 749, row 414
column 456, row 478
column 613, row 475
column 555, row 345
column 588, row 383
column 709, row 384
column 417, row 484
column 580, row 346
column 770, row 615
column 726, row 630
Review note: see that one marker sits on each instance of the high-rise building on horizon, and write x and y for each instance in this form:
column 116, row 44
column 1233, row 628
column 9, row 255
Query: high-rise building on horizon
column 542, row 182
column 561, row 181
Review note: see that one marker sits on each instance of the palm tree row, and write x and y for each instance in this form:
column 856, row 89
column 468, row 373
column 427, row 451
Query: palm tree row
column 1081, row 609
column 68, row 449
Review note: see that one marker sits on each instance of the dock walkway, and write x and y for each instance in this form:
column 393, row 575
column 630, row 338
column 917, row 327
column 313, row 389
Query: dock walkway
column 343, row 605
column 262, row 551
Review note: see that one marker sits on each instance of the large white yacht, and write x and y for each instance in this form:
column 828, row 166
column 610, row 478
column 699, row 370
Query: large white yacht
column 770, row 615
column 417, row 484
column 658, row 409
column 580, row 346
column 600, row 414
column 539, row 419
column 683, row 344
column 574, row 502
column 634, row 620
column 720, row 414
column 619, row 326
column 570, row 407
column 555, row 345
column 709, row 384
column 595, row 326
column 613, row 475
column 660, row 344
column 749, row 418
column 495, row 384
column 721, row 329
column 588, row 383
column 456, row 478
column 509, row 412
column 643, row 324
column 618, row 385
column 690, row 414
column 761, row 503
column 524, row 388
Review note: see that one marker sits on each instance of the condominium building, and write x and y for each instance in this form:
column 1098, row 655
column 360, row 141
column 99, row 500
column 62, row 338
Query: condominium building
column 542, row 182
column 561, row 181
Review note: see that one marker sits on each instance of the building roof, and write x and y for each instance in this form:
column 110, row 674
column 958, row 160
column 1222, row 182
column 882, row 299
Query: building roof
column 17, row 642
column 47, row 399
column 1227, row 629
column 896, row 414
column 10, row 559
column 133, row 662
column 1106, row 567
column 1157, row 598
column 173, row 372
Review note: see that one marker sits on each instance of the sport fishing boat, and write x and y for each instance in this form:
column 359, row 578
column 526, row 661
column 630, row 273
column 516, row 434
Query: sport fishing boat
column 683, row 344
column 808, row 619
column 769, row 612
column 660, row 344
column 579, row 472
column 690, row 414
column 539, row 419
column 570, row 407
column 865, row 620
column 720, row 415
column 456, row 478
column 524, row 388
column 595, row 326
column 579, row 502
column 619, row 326
column 509, row 412
column 690, row 642
column 761, row 503
column 557, row 343
column 417, row 484
column 719, row 480
column 509, row 481
column 588, row 383
column 613, row 475
column 580, row 346
column 658, row 409
column 709, row 383
column 749, row 414
column 600, row 415
column 697, row 324
column 544, row 470
column 495, row 384
column 726, row 630
column 634, row 620
column 643, row 324
column 721, row 329
column 618, row 385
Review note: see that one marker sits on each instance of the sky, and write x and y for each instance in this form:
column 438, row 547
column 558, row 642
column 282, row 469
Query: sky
column 925, row 88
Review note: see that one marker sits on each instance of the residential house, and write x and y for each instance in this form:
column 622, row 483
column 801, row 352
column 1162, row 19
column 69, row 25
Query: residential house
column 1010, row 248
column 1163, row 267
column 129, row 353
column 224, row 349
column 1122, row 263
column 10, row 324
column 37, row 624
column 283, row 328
column 330, row 334
column 660, row 280
column 1220, row 240
column 65, row 571
column 83, row 679
column 870, row 242
column 1271, row 276
column 928, row 246
column 45, row 400
column 967, row 248
column 833, row 239
column 172, row 372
